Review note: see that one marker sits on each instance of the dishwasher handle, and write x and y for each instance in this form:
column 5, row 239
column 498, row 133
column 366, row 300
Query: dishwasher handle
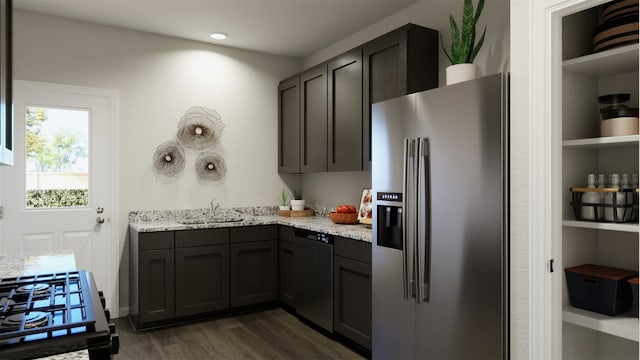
column 313, row 235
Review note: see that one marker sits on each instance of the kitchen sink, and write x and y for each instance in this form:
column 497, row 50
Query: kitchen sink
column 213, row 220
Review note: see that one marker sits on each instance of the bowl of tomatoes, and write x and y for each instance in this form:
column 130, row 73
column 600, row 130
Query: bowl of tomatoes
column 344, row 214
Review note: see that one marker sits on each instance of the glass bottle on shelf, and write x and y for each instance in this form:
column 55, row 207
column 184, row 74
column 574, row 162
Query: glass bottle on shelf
column 634, row 197
column 602, row 183
column 590, row 199
column 619, row 199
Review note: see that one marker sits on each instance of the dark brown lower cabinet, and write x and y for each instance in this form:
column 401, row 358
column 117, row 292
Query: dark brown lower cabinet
column 202, row 279
column 156, row 302
column 253, row 265
column 352, row 290
column 286, row 263
column 151, row 277
column 202, row 271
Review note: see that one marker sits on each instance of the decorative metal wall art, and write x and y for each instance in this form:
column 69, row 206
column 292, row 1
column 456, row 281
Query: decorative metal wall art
column 210, row 167
column 168, row 159
column 200, row 128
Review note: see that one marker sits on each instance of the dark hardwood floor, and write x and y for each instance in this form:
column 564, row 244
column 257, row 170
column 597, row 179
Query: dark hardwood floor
column 271, row 334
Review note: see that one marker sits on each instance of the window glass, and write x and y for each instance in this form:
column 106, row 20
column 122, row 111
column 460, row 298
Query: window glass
column 57, row 157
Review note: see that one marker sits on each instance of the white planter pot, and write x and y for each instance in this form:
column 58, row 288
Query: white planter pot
column 284, row 207
column 461, row 72
column 297, row 205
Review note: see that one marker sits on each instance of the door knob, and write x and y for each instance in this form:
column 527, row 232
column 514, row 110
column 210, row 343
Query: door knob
column 100, row 220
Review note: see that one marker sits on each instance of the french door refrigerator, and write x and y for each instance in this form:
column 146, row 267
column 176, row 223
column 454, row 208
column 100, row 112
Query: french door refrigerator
column 440, row 223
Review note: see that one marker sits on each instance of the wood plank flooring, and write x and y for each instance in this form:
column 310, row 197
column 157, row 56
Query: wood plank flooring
column 270, row 334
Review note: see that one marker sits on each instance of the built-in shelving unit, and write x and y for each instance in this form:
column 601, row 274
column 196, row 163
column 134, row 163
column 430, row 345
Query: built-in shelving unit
column 603, row 142
column 615, row 61
column 602, row 226
column 624, row 326
column 585, row 76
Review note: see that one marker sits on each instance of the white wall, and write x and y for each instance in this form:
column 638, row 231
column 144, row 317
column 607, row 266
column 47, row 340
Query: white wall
column 333, row 188
column 520, row 184
column 158, row 79
column 506, row 48
column 434, row 14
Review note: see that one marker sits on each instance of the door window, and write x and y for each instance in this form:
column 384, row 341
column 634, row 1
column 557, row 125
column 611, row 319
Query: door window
column 57, row 161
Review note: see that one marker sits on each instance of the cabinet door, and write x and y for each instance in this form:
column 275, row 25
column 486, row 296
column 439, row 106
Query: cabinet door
column 345, row 112
column 155, row 291
column 6, row 99
column 313, row 116
column 202, row 279
column 286, row 274
column 398, row 63
column 289, row 126
column 352, row 300
column 254, row 272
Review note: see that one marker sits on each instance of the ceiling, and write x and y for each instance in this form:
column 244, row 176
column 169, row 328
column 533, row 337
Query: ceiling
column 296, row 28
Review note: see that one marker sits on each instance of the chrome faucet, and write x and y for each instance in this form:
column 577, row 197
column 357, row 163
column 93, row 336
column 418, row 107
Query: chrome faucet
column 213, row 207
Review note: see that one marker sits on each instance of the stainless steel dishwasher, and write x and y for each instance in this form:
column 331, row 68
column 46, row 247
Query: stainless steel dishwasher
column 314, row 277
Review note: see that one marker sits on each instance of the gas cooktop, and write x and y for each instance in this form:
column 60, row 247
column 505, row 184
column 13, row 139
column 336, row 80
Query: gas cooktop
column 48, row 314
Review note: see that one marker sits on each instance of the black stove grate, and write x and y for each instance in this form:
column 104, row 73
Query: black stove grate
column 49, row 308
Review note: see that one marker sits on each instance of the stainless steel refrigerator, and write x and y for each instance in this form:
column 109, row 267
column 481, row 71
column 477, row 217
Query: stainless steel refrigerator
column 440, row 223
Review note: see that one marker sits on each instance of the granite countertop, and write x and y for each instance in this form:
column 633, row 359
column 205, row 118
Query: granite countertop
column 13, row 265
column 171, row 220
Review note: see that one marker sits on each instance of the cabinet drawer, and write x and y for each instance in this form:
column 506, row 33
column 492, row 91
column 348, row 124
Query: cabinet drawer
column 155, row 240
column 353, row 249
column 287, row 233
column 254, row 233
column 202, row 237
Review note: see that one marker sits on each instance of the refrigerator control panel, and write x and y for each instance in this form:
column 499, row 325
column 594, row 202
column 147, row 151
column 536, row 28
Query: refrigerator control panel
column 389, row 196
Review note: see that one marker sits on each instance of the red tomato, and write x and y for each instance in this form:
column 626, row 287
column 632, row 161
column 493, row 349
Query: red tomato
column 346, row 209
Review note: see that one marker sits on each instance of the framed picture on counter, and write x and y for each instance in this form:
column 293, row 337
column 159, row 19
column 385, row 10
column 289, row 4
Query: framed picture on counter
column 366, row 207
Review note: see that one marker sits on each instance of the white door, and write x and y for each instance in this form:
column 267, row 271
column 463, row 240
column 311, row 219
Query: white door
column 62, row 192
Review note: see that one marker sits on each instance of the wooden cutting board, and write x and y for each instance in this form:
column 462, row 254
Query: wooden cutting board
column 296, row 213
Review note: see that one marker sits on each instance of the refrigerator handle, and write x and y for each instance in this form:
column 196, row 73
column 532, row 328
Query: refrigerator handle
column 405, row 219
column 423, row 245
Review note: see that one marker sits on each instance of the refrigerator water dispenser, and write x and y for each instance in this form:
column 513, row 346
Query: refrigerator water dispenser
column 390, row 226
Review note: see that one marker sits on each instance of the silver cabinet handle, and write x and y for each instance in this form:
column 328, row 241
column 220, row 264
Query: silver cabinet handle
column 100, row 220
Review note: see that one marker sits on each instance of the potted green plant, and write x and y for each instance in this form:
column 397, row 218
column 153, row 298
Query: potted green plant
column 463, row 44
column 283, row 200
column 297, row 203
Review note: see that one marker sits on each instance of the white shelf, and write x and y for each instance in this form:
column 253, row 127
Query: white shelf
column 603, row 142
column 624, row 326
column 626, row 227
column 611, row 62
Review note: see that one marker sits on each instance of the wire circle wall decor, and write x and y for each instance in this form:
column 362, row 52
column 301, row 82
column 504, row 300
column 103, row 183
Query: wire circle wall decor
column 200, row 128
column 210, row 167
column 168, row 159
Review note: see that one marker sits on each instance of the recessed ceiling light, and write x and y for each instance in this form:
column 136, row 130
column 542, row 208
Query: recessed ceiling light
column 218, row 36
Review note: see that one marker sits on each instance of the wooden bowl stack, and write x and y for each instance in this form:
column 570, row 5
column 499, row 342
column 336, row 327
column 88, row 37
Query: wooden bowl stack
column 619, row 25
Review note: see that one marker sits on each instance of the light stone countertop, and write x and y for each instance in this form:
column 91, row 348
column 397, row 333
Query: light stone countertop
column 13, row 265
column 169, row 220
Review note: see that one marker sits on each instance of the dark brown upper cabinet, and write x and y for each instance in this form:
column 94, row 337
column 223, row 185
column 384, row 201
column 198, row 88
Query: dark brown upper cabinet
column 398, row 63
column 345, row 112
column 324, row 114
column 289, row 125
column 6, row 81
column 313, row 119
